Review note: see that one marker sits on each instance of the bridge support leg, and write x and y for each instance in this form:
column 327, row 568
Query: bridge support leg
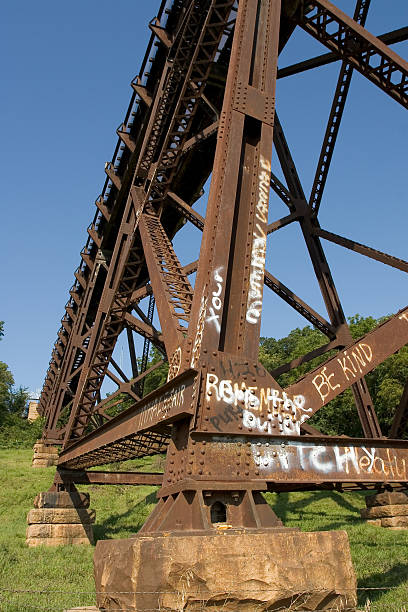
column 44, row 455
column 228, row 569
column 387, row 509
column 60, row 518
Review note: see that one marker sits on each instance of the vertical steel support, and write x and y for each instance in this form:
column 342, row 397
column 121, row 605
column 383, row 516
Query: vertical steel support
column 229, row 283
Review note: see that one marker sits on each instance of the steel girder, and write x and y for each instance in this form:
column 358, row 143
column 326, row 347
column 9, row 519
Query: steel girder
column 208, row 105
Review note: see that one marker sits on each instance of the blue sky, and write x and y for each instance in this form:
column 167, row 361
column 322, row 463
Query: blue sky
column 65, row 72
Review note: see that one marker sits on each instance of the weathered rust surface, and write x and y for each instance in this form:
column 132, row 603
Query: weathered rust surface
column 65, row 478
column 170, row 402
column 230, row 570
column 300, row 459
column 338, row 373
column 205, row 104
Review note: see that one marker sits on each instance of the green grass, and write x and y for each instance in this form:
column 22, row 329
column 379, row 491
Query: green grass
column 59, row 578
column 120, row 512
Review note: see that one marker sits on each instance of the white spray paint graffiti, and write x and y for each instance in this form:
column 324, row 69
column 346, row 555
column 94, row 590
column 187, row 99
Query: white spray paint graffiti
column 215, row 308
column 174, row 364
column 162, row 405
column 351, row 367
column 322, row 459
column 195, row 354
column 258, row 253
column 284, row 414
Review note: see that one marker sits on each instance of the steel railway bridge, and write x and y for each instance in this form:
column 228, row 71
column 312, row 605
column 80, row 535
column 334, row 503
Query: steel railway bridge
column 203, row 104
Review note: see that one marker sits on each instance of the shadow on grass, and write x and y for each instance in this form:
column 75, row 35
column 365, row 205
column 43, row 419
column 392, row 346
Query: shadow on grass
column 340, row 524
column 285, row 505
column 114, row 524
column 394, row 577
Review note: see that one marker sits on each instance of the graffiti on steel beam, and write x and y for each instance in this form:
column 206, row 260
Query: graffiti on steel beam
column 258, row 253
column 347, row 460
column 283, row 413
column 160, row 407
column 195, row 354
column 175, row 364
column 216, row 303
column 351, row 364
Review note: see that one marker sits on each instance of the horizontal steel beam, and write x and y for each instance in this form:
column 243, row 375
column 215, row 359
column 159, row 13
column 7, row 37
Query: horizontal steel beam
column 307, row 460
column 107, row 478
column 173, row 401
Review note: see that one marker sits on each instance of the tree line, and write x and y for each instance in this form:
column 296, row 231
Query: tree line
column 338, row 417
column 15, row 430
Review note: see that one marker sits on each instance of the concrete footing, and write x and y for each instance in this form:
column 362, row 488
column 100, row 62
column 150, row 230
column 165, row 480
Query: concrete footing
column 44, row 455
column 387, row 509
column 233, row 570
column 60, row 518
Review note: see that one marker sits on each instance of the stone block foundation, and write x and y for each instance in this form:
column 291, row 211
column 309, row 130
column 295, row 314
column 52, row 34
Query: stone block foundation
column 387, row 509
column 233, row 571
column 60, row 518
column 44, row 455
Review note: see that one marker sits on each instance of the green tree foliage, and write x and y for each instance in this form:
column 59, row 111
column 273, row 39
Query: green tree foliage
column 14, row 429
column 159, row 376
column 153, row 381
column 339, row 417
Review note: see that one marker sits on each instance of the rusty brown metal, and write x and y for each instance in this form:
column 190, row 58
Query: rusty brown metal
column 351, row 42
column 68, row 477
column 336, row 113
column 351, row 364
column 206, row 106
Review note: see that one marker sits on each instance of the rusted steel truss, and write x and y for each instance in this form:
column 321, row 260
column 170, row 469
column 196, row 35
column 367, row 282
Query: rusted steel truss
column 204, row 103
